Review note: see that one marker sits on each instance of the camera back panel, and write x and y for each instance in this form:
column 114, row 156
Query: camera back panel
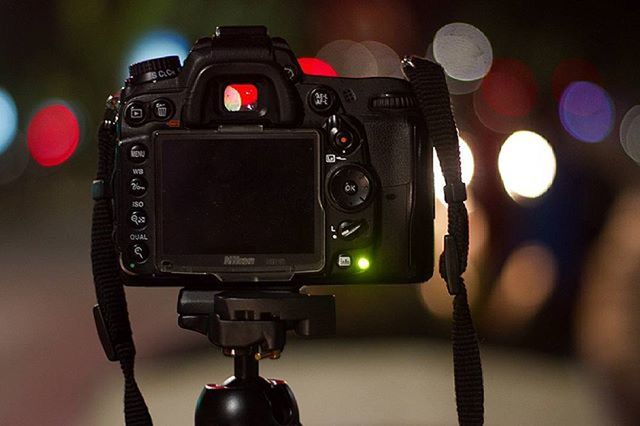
column 358, row 207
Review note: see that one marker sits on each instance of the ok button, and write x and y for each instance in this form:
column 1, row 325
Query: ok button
column 350, row 187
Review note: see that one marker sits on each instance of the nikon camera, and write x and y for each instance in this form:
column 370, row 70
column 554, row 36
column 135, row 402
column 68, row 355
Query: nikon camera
column 237, row 170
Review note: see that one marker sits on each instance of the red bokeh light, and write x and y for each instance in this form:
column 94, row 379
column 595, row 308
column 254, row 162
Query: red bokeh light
column 315, row 66
column 570, row 70
column 53, row 135
column 510, row 88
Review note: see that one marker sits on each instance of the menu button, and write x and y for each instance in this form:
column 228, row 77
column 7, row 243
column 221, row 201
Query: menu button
column 138, row 153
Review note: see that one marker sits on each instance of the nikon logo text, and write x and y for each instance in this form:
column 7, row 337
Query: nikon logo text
column 239, row 260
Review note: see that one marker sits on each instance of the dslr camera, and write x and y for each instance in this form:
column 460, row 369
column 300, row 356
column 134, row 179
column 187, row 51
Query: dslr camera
column 238, row 170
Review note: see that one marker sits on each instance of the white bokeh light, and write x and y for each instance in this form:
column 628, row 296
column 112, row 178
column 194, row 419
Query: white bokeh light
column 8, row 120
column 630, row 133
column 349, row 58
column 463, row 50
column 387, row 60
column 467, row 163
column 527, row 165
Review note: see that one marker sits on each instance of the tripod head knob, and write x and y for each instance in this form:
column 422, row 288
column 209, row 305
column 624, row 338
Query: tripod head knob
column 255, row 401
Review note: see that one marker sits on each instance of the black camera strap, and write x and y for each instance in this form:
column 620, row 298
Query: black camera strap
column 110, row 314
column 430, row 87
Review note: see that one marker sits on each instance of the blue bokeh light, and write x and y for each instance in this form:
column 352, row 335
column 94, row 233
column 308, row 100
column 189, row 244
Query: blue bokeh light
column 586, row 111
column 8, row 120
column 156, row 44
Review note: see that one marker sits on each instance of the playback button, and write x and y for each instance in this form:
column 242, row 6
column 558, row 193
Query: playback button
column 135, row 113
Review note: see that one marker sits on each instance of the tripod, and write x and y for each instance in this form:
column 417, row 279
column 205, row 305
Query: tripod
column 250, row 326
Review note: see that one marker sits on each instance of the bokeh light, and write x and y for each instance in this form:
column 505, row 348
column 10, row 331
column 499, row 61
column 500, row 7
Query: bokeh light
column 506, row 96
column 315, row 66
column 510, row 88
column 630, row 133
column 526, row 282
column 53, row 134
column 463, row 50
column 467, row 165
column 8, row 120
column 527, row 165
column 586, row 111
column 387, row 60
column 349, row 58
column 156, row 44
column 437, row 300
column 14, row 161
column 570, row 70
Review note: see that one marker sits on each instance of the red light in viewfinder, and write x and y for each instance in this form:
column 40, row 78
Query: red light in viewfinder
column 52, row 135
column 248, row 93
column 241, row 97
column 315, row 66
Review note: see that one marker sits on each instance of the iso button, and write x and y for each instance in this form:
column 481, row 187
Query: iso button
column 138, row 218
column 322, row 100
column 138, row 153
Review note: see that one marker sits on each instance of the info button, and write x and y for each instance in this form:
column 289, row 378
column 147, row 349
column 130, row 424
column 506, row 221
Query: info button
column 138, row 153
column 344, row 260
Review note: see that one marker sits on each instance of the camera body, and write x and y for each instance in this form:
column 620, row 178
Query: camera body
column 237, row 170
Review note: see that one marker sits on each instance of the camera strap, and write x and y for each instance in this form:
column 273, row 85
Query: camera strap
column 110, row 314
column 430, row 87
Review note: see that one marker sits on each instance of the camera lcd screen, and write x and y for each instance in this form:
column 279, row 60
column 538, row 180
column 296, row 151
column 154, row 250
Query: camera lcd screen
column 249, row 195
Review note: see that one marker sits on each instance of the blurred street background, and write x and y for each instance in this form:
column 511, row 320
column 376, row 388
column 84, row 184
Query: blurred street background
column 547, row 101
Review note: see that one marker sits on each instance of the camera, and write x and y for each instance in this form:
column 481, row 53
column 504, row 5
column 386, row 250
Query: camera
column 237, row 170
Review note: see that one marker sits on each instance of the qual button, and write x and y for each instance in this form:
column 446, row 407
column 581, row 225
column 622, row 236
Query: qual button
column 138, row 252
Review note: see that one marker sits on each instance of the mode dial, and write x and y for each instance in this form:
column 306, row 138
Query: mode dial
column 154, row 69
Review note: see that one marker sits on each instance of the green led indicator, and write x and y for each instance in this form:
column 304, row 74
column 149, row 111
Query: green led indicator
column 363, row 263
column 132, row 265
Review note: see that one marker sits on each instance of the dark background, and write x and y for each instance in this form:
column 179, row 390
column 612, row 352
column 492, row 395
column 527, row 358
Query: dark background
column 554, row 278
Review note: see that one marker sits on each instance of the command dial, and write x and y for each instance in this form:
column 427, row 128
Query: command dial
column 154, row 69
